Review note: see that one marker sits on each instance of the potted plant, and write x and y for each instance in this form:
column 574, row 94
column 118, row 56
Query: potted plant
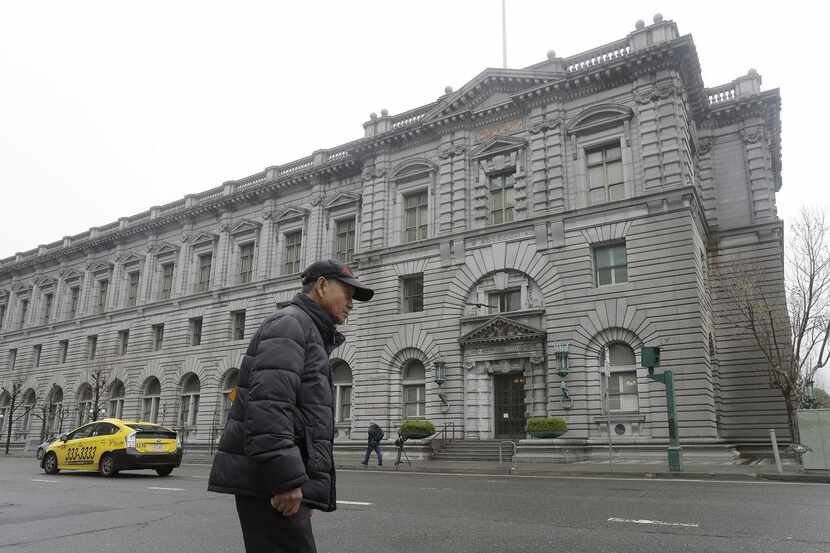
column 546, row 427
column 416, row 429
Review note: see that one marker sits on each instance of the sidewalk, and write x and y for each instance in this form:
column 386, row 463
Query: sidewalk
column 622, row 469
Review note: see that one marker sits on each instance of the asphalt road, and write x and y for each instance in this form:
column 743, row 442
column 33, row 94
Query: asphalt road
column 405, row 512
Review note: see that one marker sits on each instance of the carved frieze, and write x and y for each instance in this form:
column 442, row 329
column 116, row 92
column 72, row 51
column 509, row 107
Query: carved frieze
column 499, row 330
column 750, row 135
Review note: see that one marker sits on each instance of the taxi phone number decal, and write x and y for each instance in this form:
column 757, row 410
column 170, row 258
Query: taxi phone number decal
column 80, row 455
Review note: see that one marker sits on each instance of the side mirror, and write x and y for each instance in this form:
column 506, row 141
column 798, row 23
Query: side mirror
column 63, row 437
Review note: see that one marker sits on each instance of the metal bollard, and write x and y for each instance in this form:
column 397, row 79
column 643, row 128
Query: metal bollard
column 775, row 451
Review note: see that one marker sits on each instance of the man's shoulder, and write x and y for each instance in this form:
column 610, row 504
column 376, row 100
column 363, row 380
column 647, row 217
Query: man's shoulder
column 288, row 322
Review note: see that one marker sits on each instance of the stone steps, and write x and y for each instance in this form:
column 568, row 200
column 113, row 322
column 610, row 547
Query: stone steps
column 474, row 450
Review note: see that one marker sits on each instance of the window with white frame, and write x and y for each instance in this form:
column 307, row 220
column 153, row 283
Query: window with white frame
column 203, row 277
column 412, row 293
column 610, row 264
column 246, row 262
column 37, row 349
column 621, row 380
column 414, row 389
column 5, row 407
column 47, row 307
column 150, row 400
column 503, row 301
column 343, row 390
column 54, row 413
column 2, row 314
column 24, row 310
column 84, row 403
column 103, row 290
column 501, row 198
column 195, row 324
column 63, row 350
column 12, row 359
column 157, row 336
column 91, row 346
column 116, row 400
column 189, row 404
column 123, row 342
column 344, row 240
column 415, row 216
column 29, row 400
column 238, row 324
column 605, row 173
column 132, row 288
column 166, row 288
column 74, row 297
column 293, row 247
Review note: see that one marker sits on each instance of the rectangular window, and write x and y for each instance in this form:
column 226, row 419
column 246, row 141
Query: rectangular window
column 345, row 413
column 74, row 295
column 412, row 300
column 167, row 280
column 605, row 174
column 501, row 199
column 344, row 231
column 293, row 245
column 246, row 263
column 132, row 288
column 237, row 325
column 47, row 307
column 2, row 314
column 505, row 301
column 414, row 404
column 622, row 392
column 12, row 358
column 103, row 288
column 63, row 349
column 610, row 264
column 36, row 350
column 195, row 331
column 123, row 341
column 415, row 216
column 158, row 336
column 91, row 346
column 24, row 310
column 205, row 263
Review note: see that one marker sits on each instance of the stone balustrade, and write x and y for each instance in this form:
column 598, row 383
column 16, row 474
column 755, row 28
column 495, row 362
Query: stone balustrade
column 598, row 56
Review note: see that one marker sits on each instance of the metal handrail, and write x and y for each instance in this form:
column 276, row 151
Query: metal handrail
column 443, row 436
column 515, row 448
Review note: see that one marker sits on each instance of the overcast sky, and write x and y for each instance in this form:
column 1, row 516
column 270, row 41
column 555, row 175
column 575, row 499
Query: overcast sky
column 108, row 107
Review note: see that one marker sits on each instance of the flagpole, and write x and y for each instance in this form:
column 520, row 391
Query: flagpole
column 504, row 33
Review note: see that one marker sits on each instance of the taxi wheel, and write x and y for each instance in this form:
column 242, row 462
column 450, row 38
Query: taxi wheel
column 164, row 471
column 107, row 466
column 50, row 464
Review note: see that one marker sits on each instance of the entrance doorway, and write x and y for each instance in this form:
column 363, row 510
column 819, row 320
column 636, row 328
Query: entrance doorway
column 509, row 392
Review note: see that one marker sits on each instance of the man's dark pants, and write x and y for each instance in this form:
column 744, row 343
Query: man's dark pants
column 266, row 530
column 369, row 450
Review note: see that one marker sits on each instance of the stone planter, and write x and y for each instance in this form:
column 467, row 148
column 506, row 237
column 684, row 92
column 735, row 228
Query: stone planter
column 416, row 435
column 547, row 434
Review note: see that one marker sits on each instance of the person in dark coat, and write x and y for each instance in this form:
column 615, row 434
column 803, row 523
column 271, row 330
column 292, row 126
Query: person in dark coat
column 375, row 437
column 275, row 454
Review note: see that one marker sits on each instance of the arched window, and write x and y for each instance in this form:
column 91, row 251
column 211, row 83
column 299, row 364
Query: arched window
column 29, row 400
column 84, row 403
column 116, row 400
column 5, row 405
column 343, row 389
column 189, row 410
column 414, row 389
column 55, row 413
column 231, row 382
column 622, row 378
column 150, row 400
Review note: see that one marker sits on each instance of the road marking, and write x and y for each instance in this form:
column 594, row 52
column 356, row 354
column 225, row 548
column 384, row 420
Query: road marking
column 498, row 481
column 48, row 481
column 167, row 489
column 655, row 522
column 362, row 503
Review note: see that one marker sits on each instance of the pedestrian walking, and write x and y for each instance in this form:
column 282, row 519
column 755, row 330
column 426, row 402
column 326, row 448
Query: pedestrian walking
column 275, row 454
column 375, row 437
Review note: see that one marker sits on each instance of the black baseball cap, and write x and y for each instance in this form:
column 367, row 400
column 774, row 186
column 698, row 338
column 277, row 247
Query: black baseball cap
column 332, row 269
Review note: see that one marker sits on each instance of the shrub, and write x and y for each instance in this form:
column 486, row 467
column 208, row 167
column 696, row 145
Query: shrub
column 418, row 427
column 547, row 424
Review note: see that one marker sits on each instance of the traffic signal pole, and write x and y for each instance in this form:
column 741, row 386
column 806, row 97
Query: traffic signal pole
column 651, row 359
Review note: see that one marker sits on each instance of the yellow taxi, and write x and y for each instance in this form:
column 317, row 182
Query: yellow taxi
column 110, row 445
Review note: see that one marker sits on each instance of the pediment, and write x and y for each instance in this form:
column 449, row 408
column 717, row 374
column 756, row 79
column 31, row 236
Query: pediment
column 489, row 88
column 165, row 248
column 245, row 226
column 70, row 274
column 99, row 267
column 496, row 146
column 45, row 282
column 204, row 238
column 343, row 199
column 502, row 329
column 600, row 117
column 131, row 258
column 291, row 214
column 21, row 287
column 413, row 168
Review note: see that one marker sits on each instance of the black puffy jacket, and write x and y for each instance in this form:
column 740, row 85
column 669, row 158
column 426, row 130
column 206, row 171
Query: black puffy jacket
column 281, row 426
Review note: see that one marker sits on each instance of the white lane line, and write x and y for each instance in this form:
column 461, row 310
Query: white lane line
column 47, row 481
column 498, row 481
column 362, row 503
column 655, row 522
column 166, row 489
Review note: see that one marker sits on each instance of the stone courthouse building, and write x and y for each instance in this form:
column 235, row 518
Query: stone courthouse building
column 526, row 234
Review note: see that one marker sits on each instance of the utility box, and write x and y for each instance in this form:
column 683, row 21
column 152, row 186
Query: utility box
column 814, row 426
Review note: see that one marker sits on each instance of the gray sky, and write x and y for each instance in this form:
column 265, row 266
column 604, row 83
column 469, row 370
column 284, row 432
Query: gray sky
column 108, row 108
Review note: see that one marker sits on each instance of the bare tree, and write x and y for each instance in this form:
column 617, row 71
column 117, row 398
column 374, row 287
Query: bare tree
column 98, row 381
column 14, row 394
column 790, row 331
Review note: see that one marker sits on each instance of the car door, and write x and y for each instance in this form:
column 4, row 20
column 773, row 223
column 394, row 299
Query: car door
column 106, row 439
column 77, row 449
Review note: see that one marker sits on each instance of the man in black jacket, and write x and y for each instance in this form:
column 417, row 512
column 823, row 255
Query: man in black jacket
column 276, row 455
